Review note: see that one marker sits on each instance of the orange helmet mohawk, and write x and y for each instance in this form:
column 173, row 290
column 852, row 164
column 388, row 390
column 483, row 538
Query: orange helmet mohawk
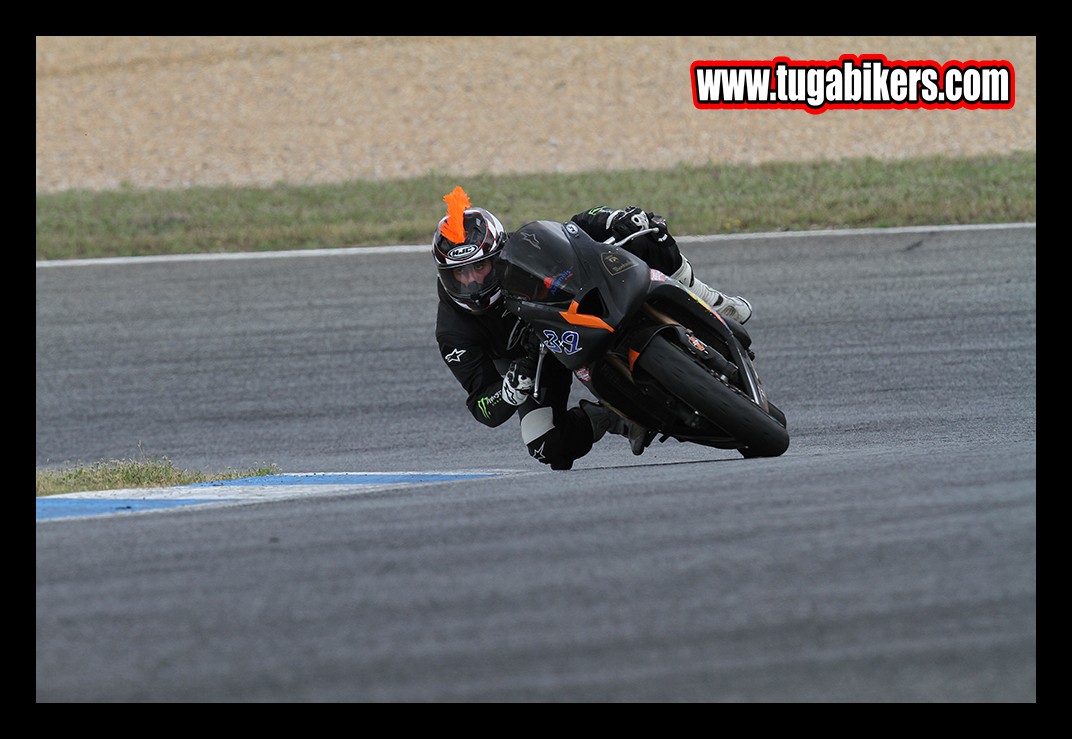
column 457, row 201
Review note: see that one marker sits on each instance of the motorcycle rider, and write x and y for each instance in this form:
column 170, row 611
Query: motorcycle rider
column 481, row 344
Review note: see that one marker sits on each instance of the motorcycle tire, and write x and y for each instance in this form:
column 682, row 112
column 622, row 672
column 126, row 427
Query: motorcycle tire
column 776, row 412
column 685, row 378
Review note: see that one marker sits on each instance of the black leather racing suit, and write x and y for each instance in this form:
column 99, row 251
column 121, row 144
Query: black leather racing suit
column 475, row 347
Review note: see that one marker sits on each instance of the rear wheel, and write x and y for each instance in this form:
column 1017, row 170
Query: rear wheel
column 684, row 377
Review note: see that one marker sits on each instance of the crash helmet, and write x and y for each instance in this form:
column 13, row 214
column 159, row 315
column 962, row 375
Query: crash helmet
column 469, row 238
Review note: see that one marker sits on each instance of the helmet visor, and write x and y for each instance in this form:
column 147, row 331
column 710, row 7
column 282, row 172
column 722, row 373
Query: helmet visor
column 473, row 283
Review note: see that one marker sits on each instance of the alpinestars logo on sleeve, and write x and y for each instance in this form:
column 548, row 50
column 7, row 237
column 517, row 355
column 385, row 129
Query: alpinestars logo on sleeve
column 454, row 356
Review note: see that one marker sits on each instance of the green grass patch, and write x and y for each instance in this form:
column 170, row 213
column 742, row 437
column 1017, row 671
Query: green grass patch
column 696, row 199
column 129, row 473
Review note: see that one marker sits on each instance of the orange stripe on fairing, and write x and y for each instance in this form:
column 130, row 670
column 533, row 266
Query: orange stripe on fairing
column 584, row 319
column 633, row 354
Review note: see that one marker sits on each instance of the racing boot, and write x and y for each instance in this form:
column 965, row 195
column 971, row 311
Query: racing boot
column 728, row 306
column 605, row 420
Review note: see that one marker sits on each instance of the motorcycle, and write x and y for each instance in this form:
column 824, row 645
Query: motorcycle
column 643, row 344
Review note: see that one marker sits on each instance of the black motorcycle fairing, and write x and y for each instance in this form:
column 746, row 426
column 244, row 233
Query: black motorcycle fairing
column 552, row 262
column 537, row 264
column 571, row 289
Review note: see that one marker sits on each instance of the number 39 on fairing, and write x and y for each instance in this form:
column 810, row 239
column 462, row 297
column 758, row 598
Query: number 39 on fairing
column 568, row 343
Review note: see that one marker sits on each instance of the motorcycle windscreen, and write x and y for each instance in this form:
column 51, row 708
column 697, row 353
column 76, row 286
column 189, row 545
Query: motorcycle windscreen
column 538, row 263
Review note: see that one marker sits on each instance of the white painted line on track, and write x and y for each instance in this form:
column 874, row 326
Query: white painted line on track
column 91, row 504
column 348, row 251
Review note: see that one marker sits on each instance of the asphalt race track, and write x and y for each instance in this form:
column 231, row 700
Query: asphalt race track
column 888, row 556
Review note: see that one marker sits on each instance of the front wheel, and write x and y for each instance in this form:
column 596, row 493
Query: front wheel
column 684, row 377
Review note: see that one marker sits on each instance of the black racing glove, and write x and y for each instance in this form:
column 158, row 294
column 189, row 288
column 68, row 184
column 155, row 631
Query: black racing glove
column 519, row 380
column 658, row 222
column 623, row 223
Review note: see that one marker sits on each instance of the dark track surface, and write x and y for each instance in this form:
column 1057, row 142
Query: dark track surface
column 889, row 555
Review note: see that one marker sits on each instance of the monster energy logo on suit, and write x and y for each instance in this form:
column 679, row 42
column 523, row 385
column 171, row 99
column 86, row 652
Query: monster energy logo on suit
column 485, row 404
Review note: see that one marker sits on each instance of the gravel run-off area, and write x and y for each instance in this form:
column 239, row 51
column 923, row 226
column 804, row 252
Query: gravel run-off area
column 178, row 111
